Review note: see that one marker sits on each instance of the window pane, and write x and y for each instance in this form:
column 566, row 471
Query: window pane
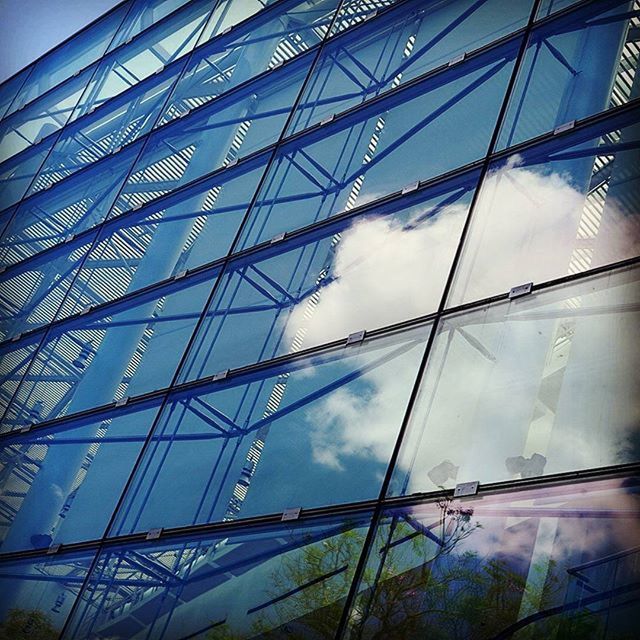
column 354, row 12
column 234, row 125
column 125, row 349
column 552, row 562
column 357, row 273
column 399, row 46
column 548, row 7
column 183, row 231
column 560, row 208
column 229, row 13
column 15, row 357
column 118, row 123
column 38, row 593
column 550, row 385
column 10, row 89
column 41, row 118
column 68, row 59
column 155, row 49
column 363, row 156
column 31, row 292
column 274, row 36
column 262, row 582
column 74, row 205
column 333, row 417
column 51, row 477
column 558, row 81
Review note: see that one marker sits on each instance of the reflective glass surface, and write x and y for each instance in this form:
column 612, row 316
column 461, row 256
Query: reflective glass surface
column 558, row 81
column 358, row 273
column 334, row 418
column 551, row 385
column 560, row 208
column 185, row 230
column 51, row 476
column 283, row 581
column 550, row 562
column 36, row 594
column 15, row 356
column 229, row 13
column 273, row 37
column 75, row 205
column 235, row 125
column 363, row 156
column 124, row 349
column 354, row 12
column 10, row 89
column 31, row 292
column 404, row 43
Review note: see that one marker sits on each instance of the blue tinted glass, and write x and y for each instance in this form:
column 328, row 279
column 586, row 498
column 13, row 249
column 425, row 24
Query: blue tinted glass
column 547, row 7
column 364, row 155
column 548, row 562
column 229, row 13
column 144, row 56
column 357, row 273
column 143, row 15
column 10, row 89
column 399, row 46
column 260, row 582
column 558, row 208
column 354, row 12
column 558, row 81
column 36, row 594
column 70, row 58
column 15, row 357
column 41, row 118
column 564, row 358
column 50, row 217
column 118, row 123
column 52, row 475
column 125, row 349
column 333, row 417
column 31, row 292
column 234, row 125
column 275, row 36
column 185, row 230
column 17, row 173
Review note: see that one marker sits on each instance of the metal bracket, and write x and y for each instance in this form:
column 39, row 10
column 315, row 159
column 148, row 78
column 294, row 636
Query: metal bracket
column 457, row 59
column 466, row 489
column 279, row 238
column 138, row 206
column 26, row 428
column 86, row 309
column 153, row 534
column 233, row 163
column 53, row 549
column 158, row 70
column 16, row 337
column 358, row 336
column 227, row 30
column 371, row 15
column 292, row 513
column 70, row 238
column 181, row 274
column 221, row 375
column 328, row 119
column 117, row 149
column 564, row 127
column 2, row 270
column 410, row 187
column 520, row 290
column 122, row 401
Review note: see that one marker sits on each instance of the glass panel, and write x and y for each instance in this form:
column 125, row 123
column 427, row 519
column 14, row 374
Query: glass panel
column 229, row 13
column 354, row 12
column 147, row 54
column 280, row 581
column 128, row 348
column 10, row 89
column 17, row 173
column 275, row 36
column 68, row 59
column 372, row 271
column 563, row 207
column 550, row 386
column 143, row 15
column 552, row 562
column 51, row 477
column 333, row 417
column 234, row 125
column 41, row 118
column 185, row 230
column 31, row 293
column 71, row 207
column 363, row 156
column 547, row 7
column 15, row 357
column 118, row 123
column 36, row 594
column 399, row 46
column 558, row 82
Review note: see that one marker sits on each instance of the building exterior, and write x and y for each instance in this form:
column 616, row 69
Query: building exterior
column 282, row 282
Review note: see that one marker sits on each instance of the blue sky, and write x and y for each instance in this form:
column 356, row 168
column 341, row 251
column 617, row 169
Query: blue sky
column 29, row 28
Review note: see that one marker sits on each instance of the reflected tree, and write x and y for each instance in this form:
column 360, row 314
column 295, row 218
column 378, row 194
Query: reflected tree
column 27, row 624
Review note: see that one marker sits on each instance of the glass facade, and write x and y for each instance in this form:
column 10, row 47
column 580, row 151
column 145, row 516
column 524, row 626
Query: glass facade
column 319, row 319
